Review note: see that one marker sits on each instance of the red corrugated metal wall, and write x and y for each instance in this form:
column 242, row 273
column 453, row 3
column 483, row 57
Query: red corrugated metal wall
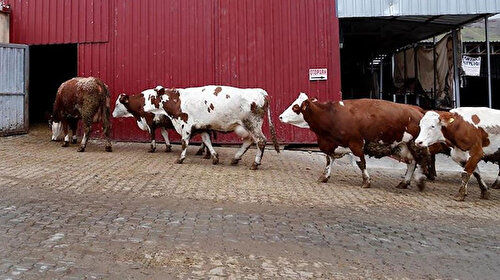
column 136, row 44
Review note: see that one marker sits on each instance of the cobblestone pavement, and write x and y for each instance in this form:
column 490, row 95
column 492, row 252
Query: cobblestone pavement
column 132, row 214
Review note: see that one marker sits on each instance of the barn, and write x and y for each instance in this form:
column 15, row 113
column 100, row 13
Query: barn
column 137, row 44
column 273, row 44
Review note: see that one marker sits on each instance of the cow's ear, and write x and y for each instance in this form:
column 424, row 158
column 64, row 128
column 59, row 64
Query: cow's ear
column 160, row 90
column 305, row 105
column 124, row 99
column 447, row 119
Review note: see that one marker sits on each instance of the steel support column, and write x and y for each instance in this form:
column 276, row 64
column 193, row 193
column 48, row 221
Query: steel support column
column 456, row 76
column 488, row 59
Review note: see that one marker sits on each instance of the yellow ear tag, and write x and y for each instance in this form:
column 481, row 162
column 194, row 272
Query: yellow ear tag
column 451, row 120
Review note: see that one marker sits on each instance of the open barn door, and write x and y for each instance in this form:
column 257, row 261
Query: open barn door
column 13, row 89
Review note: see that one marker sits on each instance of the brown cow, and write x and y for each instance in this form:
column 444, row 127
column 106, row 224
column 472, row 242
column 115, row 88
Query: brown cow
column 364, row 126
column 473, row 134
column 133, row 106
column 86, row 99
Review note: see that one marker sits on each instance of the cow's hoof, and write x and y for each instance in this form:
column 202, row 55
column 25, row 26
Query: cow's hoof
column 81, row 149
column 459, row 197
column 366, row 185
column 151, row 150
column 215, row 159
column 73, row 141
column 199, row 152
column 431, row 177
column 402, row 185
column 65, row 144
column 207, row 156
column 168, row 149
column 179, row 160
column 235, row 161
column 496, row 185
column 323, row 179
column 108, row 149
column 421, row 185
column 485, row 194
column 254, row 166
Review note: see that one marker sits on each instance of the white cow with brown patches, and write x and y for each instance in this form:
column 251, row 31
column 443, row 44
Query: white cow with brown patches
column 474, row 135
column 218, row 108
column 133, row 106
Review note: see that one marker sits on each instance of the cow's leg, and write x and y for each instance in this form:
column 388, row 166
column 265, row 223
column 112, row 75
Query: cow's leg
column 482, row 184
column 164, row 133
column 86, row 133
column 432, row 168
column 185, row 143
column 64, row 124
column 423, row 161
column 152, row 135
column 419, row 176
column 207, row 150
column 410, row 169
column 247, row 142
column 328, row 170
column 205, row 137
column 73, row 125
column 357, row 150
column 260, row 140
column 496, row 184
column 471, row 165
column 201, row 149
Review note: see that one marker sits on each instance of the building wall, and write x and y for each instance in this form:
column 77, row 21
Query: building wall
column 4, row 28
column 137, row 44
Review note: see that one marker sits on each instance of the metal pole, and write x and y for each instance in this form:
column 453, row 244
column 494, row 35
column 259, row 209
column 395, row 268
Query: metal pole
column 415, row 59
column 488, row 58
column 434, row 64
column 456, row 86
column 381, row 83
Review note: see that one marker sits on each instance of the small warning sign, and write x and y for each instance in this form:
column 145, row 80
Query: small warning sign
column 320, row 74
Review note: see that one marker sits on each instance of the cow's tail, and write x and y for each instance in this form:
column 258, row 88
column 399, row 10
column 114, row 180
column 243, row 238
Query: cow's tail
column 273, row 131
column 106, row 111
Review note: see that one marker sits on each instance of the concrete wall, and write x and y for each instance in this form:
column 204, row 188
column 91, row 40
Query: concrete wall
column 4, row 27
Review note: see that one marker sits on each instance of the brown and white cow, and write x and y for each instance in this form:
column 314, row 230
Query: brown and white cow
column 217, row 108
column 81, row 98
column 473, row 134
column 362, row 127
column 133, row 106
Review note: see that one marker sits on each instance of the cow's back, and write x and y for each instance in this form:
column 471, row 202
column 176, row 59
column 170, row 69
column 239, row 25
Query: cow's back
column 375, row 120
column 482, row 117
column 79, row 93
column 220, row 106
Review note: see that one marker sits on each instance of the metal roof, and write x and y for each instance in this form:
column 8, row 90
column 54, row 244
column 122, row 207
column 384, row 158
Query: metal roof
column 390, row 8
column 386, row 25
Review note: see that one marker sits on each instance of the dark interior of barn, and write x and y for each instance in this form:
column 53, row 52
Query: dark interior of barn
column 50, row 65
column 368, row 42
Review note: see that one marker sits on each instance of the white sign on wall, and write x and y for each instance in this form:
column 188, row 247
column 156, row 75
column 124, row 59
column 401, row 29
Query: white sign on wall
column 471, row 65
column 320, row 74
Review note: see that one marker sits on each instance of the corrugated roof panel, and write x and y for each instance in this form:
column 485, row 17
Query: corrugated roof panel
column 385, row 8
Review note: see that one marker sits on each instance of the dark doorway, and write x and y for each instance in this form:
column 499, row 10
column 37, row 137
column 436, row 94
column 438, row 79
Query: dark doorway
column 50, row 65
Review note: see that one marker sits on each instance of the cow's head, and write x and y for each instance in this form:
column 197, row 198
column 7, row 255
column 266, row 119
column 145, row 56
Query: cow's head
column 121, row 105
column 293, row 114
column 56, row 127
column 431, row 126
